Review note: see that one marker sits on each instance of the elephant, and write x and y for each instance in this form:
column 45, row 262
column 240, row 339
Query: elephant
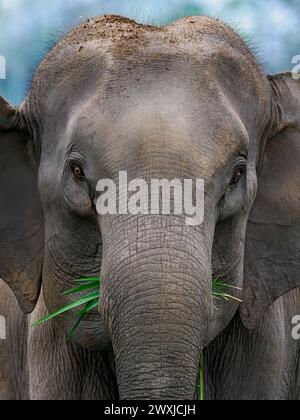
column 186, row 101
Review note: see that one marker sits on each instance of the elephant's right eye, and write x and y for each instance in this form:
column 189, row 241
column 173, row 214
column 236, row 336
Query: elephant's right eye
column 77, row 171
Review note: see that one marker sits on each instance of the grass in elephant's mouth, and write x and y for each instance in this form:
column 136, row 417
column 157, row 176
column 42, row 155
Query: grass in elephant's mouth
column 219, row 291
column 91, row 300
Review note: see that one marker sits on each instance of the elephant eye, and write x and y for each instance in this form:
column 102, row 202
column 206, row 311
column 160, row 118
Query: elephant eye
column 77, row 171
column 237, row 176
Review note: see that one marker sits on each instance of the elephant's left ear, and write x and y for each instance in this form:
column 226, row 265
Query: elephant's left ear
column 272, row 259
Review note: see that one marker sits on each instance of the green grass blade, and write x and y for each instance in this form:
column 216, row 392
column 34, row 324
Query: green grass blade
column 81, row 288
column 201, row 384
column 89, row 307
column 81, row 315
column 220, row 295
column 75, row 328
column 79, row 302
column 225, row 286
column 233, row 298
column 226, row 296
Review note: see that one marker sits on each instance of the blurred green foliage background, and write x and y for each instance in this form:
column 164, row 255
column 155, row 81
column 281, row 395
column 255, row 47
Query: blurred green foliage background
column 28, row 28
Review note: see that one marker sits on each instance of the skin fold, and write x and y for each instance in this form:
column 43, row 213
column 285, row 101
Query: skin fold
column 183, row 101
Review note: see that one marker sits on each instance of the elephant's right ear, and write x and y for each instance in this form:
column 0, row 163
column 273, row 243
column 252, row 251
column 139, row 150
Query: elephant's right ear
column 272, row 259
column 21, row 217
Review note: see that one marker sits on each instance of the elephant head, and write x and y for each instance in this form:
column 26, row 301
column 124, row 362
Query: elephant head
column 187, row 101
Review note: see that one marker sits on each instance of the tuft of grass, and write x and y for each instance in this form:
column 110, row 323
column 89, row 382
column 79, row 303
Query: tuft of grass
column 89, row 302
column 219, row 291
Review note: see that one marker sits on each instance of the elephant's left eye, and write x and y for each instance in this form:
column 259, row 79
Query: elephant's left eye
column 237, row 176
column 77, row 171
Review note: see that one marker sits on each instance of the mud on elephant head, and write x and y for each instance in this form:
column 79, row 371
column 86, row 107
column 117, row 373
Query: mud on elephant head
column 184, row 101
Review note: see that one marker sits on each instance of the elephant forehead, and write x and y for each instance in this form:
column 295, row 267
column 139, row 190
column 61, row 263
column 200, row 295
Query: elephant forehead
column 104, row 49
column 164, row 127
column 191, row 87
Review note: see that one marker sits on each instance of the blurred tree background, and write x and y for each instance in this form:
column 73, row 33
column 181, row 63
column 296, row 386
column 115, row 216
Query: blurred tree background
column 30, row 27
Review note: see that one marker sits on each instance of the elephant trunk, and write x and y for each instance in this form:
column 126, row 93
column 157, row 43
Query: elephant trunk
column 156, row 299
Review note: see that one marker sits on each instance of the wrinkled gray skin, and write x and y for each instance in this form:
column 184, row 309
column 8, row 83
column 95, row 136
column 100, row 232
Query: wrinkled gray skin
column 13, row 350
column 184, row 101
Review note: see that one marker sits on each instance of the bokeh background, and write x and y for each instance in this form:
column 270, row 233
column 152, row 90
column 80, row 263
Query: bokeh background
column 28, row 28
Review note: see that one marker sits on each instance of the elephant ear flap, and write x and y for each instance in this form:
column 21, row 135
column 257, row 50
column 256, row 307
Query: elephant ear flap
column 272, row 259
column 21, row 218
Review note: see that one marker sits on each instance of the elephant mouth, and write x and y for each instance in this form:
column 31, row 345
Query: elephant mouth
column 90, row 298
column 85, row 297
column 155, row 292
